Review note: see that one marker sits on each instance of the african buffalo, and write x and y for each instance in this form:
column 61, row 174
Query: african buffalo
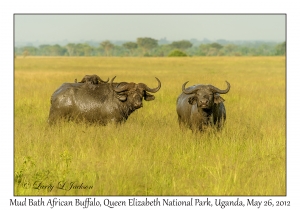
column 107, row 102
column 196, row 105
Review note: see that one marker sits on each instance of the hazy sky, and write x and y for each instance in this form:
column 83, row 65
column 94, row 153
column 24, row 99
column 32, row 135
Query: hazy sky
column 129, row 27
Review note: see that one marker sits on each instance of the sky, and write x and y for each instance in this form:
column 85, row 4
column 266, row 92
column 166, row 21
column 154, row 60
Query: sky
column 53, row 27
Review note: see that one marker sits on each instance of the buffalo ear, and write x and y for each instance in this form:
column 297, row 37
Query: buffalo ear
column 122, row 97
column 218, row 99
column 148, row 97
column 193, row 100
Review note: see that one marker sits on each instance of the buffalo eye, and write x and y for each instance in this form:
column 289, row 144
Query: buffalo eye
column 192, row 100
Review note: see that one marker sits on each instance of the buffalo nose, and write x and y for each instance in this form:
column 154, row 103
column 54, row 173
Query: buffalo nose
column 204, row 101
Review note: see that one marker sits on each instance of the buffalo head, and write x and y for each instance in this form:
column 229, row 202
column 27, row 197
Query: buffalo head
column 205, row 96
column 134, row 93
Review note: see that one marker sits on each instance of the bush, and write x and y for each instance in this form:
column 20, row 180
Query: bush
column 177, row 53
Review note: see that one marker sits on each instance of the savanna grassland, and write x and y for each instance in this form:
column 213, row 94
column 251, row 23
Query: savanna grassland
column 149, row 154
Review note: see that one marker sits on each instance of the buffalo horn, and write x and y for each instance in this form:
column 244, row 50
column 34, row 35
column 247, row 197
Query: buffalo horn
column 186, row 91
column 217, row 90
column 118, row 89
column 151, row 90
column 103, row 80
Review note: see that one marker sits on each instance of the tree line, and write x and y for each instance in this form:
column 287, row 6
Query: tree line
column 146, row 46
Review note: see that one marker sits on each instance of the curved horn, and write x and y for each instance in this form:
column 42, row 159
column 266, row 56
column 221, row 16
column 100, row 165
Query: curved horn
column 217, row 90
column 103, row 80
column 111, row 81
column 151, row 90
column 118, row 89
column 186, row 91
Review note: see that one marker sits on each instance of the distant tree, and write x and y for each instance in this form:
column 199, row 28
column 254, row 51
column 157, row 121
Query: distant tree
column 25, row 53
column 29, row 50
column 131, row 46
column 149, row 47
column 45, row 49
column 216, row 46
column 147, row 44
column 163, row 50
column 182, row 45
column 212, row 52
column 119, row 51
column 264, row 49
column 229, row 49
column 57, row 50
column 243, row 50
column 87, row 49
column 281, row 49
column 210, row 49
column 107, row 46
column 70, row 48
column 79, row 49
column 177, row 53
column 203, row 49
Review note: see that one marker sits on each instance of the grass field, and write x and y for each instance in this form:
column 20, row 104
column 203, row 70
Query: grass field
column 149, row 154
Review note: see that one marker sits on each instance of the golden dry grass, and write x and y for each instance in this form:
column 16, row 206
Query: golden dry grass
column 149, row 155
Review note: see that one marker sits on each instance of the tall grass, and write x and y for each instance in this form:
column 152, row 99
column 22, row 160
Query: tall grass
column 149, row 154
